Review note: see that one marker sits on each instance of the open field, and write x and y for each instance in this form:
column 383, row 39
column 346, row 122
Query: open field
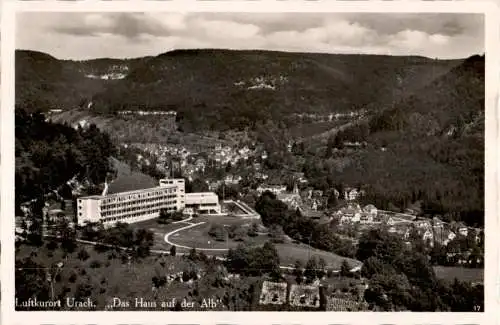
column 198, row 237
column 290, row 252
column 107, row 276
column 461, row 273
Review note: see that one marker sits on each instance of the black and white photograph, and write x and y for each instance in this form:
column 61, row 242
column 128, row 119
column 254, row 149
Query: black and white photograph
column 250, row 161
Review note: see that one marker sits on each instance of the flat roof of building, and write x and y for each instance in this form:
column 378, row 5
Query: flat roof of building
column 201, row 193
column 98, row 197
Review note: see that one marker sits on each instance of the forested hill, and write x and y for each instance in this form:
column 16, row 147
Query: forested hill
column 428, row 147
column 49, row 154
column 224, row 88
column 449, row 103
column 44, row 82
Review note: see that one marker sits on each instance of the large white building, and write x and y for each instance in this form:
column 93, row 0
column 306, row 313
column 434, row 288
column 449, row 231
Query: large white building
column 144, row 204
column 203, row 203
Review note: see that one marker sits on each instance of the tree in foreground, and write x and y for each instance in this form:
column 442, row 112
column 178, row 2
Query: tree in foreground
column 345, row 268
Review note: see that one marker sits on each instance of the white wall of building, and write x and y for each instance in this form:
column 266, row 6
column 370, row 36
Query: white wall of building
column 203, row 202
column 88, row 210
column 141, row 205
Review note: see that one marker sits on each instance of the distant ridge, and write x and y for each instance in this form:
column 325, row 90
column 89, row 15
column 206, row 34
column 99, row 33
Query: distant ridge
column 227, row 88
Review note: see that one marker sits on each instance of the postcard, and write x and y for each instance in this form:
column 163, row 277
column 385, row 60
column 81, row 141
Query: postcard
column 249, row 162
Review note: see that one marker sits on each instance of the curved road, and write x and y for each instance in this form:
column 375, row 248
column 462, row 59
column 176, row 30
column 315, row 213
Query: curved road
column 187, row 247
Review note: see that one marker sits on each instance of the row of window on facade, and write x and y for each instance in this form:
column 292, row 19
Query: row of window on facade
column 135, row 215
column 140, row 208
column 136, row 202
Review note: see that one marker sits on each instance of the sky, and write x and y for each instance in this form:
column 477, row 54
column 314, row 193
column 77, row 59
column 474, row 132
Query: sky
column 119, row 35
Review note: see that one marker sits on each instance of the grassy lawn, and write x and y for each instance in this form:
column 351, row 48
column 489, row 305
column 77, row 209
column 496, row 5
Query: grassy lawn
column 129, row 180
column 198, row 237
column 461, row 273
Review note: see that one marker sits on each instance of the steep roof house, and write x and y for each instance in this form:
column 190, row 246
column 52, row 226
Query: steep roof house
column 436, row 222
column 423, row 224
column 449, row 237
column 371, row 209
column 428, row 235
column 366, row 218
column 351, row 194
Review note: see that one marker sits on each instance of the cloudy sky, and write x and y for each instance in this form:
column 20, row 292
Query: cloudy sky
column 92, row 35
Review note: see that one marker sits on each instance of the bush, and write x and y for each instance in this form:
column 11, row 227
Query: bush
column 52, row 245
column 159, row 281
column 277, row 234
column 237, row 233
column 186, row 276
column 218, row 232
column 253, row 230
column 72, row 278
column 83, row 254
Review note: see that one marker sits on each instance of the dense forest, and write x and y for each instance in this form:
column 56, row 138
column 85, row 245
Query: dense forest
column 49, row 154
column 225, row 89
column 428, row 148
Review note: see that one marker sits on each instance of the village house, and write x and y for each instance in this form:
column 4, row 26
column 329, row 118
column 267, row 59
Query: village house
column 259, row 175
column 232, row 179
column 275, row 189
column 449, row 237
column 437, row 223
column 407, row 233
column 351, row 212
column 200, row 164
column 423, row 224
column 214, row 185
column 366, row 218
column 345, row 219
column 428, row 235
column 293, row 200
column 304, row 296
column 390, row 221
column 351, row 194
column 401, row 229
column 317, row 194
column 273, row 293
column 371, row 210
